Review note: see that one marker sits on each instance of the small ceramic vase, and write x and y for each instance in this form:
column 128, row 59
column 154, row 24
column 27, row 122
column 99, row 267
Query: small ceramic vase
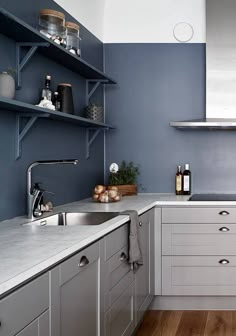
column 7, row 86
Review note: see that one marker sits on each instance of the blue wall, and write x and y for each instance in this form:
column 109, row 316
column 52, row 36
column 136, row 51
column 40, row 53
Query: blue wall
column 47, row 139
column 159, row 83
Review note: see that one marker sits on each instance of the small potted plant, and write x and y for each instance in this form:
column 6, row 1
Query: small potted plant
column 124, row 178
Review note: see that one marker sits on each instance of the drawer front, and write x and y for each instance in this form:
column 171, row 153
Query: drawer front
column 199, row 239
column 112, row 296
column 39, row 327
column 199, row 275
column 199, row 215
column 77, row 263
column 117, row 267
column 119, row 320
column 24, row 305
column 116, row 240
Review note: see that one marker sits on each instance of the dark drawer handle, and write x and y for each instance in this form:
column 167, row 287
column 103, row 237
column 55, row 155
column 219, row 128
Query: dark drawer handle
column 224, row 262
column 140, row 224
column 123, row 256
column 224, row 213
column 83, row 261
column 224, row 229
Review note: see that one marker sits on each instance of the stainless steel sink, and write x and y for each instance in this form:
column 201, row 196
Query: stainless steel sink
column 75, row 218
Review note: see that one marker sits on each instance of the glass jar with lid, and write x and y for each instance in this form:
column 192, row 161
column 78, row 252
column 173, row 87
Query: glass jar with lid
column 72, row 38
column 52, row 24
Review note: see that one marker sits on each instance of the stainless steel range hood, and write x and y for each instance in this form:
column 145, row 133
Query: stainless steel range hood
column 220, row 68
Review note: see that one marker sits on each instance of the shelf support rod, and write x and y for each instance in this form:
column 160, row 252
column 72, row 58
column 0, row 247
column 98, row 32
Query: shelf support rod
column 20, row 64
column 21, row 133
column 97, row 83
column 90, row 139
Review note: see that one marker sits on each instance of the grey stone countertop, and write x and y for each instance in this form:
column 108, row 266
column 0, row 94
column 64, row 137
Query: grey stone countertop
column 26, row 251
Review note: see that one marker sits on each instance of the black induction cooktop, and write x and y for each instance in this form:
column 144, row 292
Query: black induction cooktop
column 213, row 197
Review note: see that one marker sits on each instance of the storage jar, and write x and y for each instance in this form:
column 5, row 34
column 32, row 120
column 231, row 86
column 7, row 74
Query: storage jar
column 72, row 38
column 52, row 24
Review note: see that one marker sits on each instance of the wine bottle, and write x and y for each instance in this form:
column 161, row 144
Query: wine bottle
column 186, row 180
column 178, row 181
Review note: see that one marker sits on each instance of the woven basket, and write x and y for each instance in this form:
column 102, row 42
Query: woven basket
column 127, row 189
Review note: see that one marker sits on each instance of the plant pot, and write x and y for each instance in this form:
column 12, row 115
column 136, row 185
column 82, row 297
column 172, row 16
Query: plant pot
column 127, row 189
column 7, row 85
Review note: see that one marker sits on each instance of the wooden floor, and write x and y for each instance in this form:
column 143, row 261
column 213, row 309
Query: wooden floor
column 188, row 323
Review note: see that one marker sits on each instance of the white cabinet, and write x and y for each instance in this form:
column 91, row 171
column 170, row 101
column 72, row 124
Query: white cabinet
column 25, row 311
column 199, row 251
column 75, row 295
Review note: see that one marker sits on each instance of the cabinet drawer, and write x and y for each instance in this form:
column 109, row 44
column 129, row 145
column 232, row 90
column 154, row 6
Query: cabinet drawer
column 116, row 240
column 117, row 267
column 119, row 320
column 112, row 296
column 199, row 239
column 39, row 327
column 77, row 263
column 24, row 305
column 199, row 215
column 198, row 275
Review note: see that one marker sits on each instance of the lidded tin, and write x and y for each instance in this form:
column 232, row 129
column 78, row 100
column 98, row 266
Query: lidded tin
column 72, row 38
column 52, row 23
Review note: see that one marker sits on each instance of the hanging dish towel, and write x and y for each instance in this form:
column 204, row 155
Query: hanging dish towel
column 135, row 253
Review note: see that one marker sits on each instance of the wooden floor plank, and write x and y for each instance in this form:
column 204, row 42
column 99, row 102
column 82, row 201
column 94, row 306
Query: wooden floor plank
column 188, row 323
column 168, row 323
column 219, row 323
column 192, row 323
column 150, row 322
column 233, row 323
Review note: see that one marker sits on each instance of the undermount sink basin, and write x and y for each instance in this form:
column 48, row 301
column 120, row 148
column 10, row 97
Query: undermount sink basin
column 75, row 218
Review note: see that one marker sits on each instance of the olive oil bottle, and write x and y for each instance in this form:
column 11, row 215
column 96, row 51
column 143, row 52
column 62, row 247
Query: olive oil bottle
column 178, row 181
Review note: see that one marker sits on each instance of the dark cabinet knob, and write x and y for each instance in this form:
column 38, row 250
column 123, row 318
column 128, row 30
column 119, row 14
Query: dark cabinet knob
column 123, row 256
column 83, row 261
column 224, row 229
column 140, row 224
column 224, row 213
column 224, row 262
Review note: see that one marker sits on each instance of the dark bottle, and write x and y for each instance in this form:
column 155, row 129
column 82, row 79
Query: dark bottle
column 56, row 101
column 186, row 180
column 178, row 181
column 46, row 92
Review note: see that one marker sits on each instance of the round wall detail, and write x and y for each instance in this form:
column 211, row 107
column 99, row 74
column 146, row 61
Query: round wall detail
column 183, row 32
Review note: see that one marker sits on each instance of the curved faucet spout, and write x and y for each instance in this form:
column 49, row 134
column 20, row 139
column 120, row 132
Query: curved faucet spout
column 32, row 195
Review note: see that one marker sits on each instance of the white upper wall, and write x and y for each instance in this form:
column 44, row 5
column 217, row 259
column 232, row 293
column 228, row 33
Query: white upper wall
column 152, row 21
column 130, row 21
column 90, row 13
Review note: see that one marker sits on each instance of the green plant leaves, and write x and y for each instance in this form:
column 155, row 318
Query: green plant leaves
column 127, row 174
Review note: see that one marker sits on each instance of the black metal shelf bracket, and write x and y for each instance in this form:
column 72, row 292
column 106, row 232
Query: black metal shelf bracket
column 22, row 131
column 21, row 62
column 91, row 86
column 91, row 138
